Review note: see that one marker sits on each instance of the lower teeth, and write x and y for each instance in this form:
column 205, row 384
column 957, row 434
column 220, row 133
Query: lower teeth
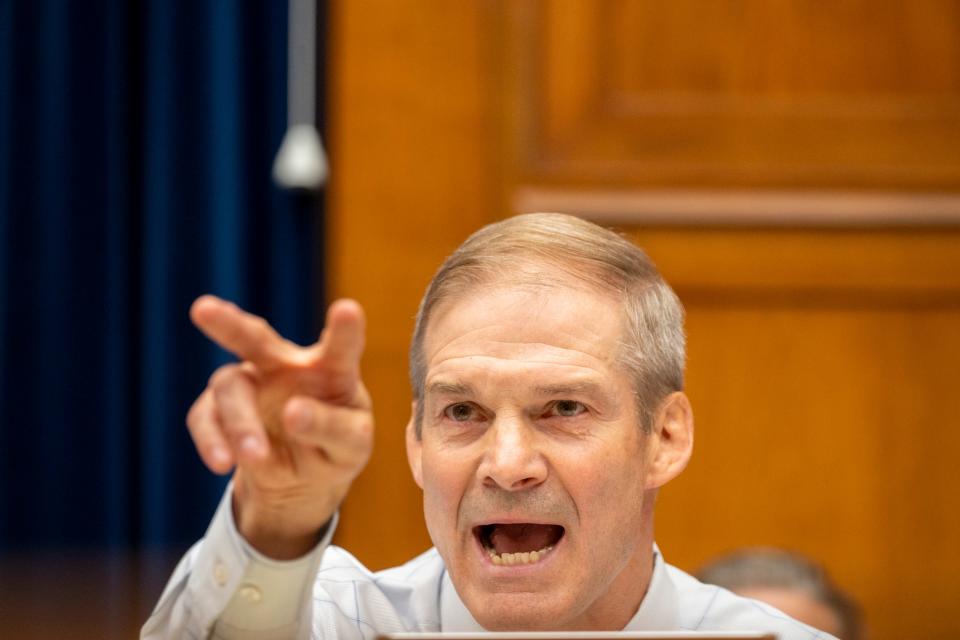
column 522, row 557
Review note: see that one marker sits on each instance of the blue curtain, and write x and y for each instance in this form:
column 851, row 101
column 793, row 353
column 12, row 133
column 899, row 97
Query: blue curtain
column 136, row 141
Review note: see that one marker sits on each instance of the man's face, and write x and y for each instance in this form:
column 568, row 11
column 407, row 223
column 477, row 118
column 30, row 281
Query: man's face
column 532, row 460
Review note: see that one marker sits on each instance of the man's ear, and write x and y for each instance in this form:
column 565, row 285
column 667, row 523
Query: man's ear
column 671, row 440
column 414, row 447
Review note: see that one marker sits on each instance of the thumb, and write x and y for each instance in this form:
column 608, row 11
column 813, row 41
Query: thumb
column 343, row 339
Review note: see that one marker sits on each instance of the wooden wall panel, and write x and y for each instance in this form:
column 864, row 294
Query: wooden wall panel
column 794, row 168
column 786, row 93
column 822, row 370
column 835, row 441
column 412, row 175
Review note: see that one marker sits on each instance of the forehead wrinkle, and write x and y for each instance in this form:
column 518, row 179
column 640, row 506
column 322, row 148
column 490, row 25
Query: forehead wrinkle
column 537, row 344
column 579, row 341
column 555, row 355
column 477, row 365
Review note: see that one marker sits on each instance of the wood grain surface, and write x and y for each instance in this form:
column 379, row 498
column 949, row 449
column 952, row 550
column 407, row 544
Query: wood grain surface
column 823, row 351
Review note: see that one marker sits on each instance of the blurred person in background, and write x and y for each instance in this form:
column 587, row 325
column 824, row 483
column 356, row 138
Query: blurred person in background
column 790, row 582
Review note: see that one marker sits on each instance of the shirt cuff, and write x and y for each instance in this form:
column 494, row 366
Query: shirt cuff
column 248, row 593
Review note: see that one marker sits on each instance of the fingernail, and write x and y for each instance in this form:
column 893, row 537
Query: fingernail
column 253, row 447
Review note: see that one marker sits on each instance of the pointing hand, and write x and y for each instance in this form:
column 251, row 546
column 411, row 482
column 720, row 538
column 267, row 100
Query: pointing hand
column 296, row 422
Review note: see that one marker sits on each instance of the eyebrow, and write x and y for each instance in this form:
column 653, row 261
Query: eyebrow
column 450, row 389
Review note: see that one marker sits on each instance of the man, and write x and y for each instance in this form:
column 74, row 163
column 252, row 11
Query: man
column 547, row 373
column 790, row 582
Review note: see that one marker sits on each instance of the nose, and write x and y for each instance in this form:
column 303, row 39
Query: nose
column 512, row 459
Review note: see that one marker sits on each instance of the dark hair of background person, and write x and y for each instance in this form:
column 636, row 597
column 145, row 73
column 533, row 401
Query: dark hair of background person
column 764, row 568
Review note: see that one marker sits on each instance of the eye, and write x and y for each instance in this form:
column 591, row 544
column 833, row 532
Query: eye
column 566, row 408
column 461, row 412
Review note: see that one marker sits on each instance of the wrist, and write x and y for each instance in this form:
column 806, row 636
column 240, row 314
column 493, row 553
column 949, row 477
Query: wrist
column 279, row 534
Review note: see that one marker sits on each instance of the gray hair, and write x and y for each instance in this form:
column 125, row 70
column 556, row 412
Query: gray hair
column 652, row 348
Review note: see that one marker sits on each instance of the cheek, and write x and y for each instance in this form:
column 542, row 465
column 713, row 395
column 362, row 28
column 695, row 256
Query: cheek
column 612, row 486
column 443, row 488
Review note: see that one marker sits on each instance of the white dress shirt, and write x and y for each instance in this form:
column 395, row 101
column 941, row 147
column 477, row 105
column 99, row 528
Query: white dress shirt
column 223, row 588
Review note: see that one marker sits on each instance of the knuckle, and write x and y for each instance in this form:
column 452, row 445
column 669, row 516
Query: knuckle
column 198, row 411
column 218, row 377
column 239, row 425
column 260, row 328
column 235, row 429
column 193, row 416
column 225, row 377
column 207, row 448
column 305, row 416
column 363, row 427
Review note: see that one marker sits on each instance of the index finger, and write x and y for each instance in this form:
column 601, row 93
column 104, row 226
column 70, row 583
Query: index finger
column 244, row 334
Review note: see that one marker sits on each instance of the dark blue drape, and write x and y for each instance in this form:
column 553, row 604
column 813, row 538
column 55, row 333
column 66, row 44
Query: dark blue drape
column 135, row 148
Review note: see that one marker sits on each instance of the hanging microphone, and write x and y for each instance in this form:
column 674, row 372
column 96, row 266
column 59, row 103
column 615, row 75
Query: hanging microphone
column 301, row 162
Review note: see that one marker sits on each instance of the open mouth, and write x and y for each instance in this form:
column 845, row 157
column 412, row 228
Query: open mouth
column 518, row 543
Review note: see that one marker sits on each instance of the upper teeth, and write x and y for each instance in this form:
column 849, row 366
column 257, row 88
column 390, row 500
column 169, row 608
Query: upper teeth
column 521, row 557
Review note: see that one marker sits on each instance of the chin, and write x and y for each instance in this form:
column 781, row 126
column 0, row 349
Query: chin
column 516, row 621
column 521, row 614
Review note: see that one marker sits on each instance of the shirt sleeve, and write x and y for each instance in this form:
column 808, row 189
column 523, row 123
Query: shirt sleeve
column 224, row 588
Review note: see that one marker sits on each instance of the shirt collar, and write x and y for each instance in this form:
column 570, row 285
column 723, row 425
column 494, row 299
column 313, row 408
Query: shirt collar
column 657, row 612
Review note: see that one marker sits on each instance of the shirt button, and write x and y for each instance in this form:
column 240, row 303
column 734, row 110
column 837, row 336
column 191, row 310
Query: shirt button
column 250, row 593
column 220, row 573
